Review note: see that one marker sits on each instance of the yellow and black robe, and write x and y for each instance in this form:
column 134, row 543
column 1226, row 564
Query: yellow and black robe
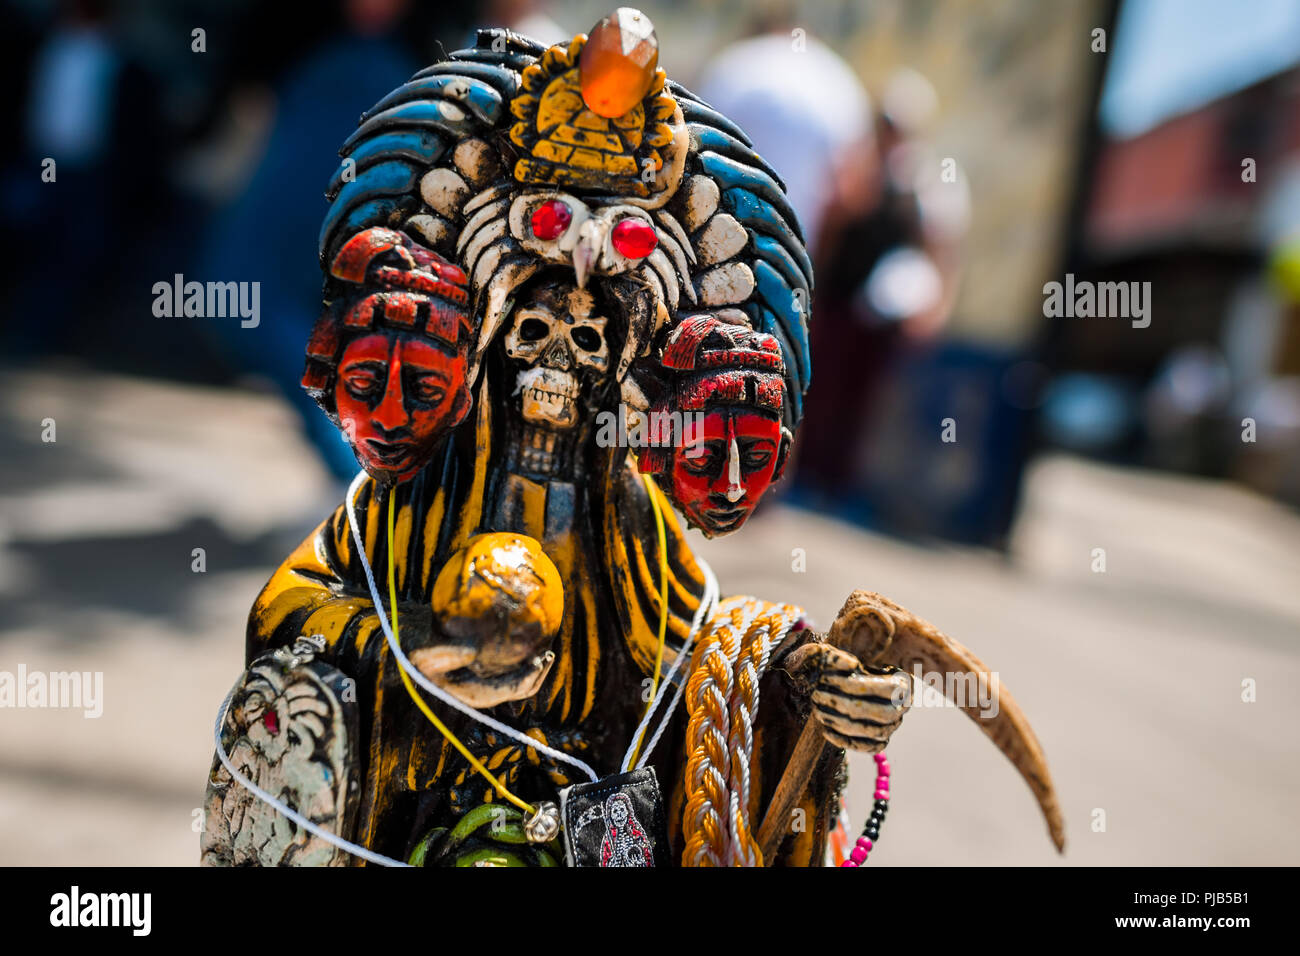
column 600, row 533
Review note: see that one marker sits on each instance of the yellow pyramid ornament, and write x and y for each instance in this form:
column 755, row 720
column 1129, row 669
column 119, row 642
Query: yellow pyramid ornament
column 595, row 113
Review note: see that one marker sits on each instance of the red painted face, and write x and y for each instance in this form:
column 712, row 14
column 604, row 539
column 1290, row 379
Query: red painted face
column 397, row 396
column 719, row 488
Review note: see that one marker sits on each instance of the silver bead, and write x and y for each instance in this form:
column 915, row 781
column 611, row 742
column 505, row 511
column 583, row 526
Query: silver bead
column 544, row 825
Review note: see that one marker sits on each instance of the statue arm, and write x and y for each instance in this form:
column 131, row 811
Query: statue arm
column 320, row 589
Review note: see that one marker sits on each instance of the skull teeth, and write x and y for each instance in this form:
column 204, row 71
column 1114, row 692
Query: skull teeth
column 546, row 396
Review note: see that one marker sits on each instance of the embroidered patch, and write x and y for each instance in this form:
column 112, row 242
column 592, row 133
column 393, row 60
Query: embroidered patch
column 618, row 821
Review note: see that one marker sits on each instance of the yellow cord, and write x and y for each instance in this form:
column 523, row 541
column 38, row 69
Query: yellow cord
column 663, row 600
column 410, row 685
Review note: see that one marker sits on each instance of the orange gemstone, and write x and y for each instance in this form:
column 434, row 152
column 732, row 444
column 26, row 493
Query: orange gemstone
column 618, row 63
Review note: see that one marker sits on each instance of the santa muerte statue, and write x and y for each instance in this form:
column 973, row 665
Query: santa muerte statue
column 563, row 297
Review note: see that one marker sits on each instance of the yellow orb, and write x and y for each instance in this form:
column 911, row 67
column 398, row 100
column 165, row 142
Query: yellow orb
column 500, row 576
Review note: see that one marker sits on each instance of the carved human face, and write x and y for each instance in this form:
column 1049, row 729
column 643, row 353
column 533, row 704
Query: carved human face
column 719, row 476
column 397, row 396
column 557, row 345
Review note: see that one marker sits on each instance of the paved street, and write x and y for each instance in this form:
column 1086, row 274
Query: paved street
column 1132, row 678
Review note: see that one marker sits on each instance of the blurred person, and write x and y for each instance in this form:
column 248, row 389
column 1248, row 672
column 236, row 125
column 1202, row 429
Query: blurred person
column 808, row 114
column 91, row 168
column 887, row 267
column 268, row 233
column 73, row 83
column 798, row 101
column 527, row 17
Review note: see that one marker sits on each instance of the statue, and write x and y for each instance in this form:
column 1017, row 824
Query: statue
column 500, row 649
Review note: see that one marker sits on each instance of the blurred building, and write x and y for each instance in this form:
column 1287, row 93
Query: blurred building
column 940, row 450
column 1206, row 207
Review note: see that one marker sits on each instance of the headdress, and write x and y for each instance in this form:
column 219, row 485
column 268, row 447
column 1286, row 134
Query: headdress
column 712, row 363
column 510, row 157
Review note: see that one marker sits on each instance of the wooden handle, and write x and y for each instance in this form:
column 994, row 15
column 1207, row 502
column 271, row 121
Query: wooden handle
column 807, row 751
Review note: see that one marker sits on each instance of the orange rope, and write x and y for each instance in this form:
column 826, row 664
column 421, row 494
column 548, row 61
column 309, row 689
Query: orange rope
column 721, row 701
column 707, row 690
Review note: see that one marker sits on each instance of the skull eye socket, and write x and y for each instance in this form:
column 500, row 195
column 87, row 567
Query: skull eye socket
column 586, row 338
column 551, row 219
column 533, row 330
column 634, row 237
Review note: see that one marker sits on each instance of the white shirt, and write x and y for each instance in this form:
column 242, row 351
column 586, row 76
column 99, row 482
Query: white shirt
column 800, row 107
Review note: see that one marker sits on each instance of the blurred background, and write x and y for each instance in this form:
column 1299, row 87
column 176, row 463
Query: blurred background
column 1103, row 508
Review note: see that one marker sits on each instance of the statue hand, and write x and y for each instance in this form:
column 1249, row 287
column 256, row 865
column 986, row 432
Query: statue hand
column 859, row 706
column 453, row 668
column 479, row 673
column 497, row 606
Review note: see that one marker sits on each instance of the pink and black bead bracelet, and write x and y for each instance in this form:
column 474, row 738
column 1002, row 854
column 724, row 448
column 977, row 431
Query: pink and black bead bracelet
column 871, row 832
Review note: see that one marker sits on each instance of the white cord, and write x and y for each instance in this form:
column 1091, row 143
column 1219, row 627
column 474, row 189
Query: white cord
column 749, row 609
column 709, row 599
column 747, row 718
column 406, row 665
column 702, row 615
column 681, row 688
column 284, row 809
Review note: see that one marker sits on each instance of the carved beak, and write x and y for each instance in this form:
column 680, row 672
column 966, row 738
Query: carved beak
column 587, row 250
column 878, row 631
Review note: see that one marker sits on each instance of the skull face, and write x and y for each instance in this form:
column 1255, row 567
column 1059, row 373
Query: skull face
column 558, row 343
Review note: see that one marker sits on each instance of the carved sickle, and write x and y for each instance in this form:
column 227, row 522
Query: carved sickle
column 878, row 631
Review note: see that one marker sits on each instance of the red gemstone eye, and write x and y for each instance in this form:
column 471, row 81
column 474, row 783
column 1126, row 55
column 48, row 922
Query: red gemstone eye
column 551, row 218
column 634, row 238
